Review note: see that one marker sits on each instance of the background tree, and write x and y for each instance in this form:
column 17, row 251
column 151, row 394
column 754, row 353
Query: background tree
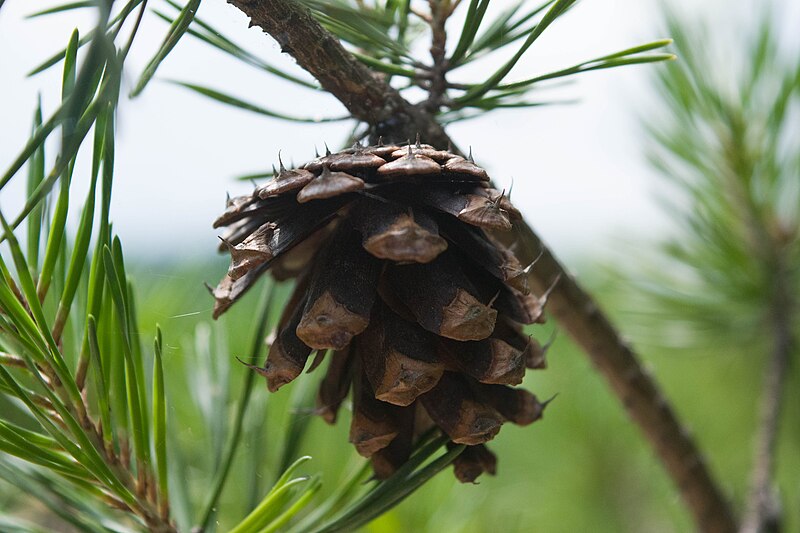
column 727, row 143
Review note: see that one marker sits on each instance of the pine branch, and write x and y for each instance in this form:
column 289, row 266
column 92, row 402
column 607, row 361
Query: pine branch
column 739, row 238
column 375, row 102
column 440, row 11
column 589, row 327
column 763, row 513
column 366, row 96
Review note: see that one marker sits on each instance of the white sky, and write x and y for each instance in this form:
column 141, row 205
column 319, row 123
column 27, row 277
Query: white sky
column 578, row 171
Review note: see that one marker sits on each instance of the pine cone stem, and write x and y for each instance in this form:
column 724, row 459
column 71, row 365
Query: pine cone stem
column 383, row 108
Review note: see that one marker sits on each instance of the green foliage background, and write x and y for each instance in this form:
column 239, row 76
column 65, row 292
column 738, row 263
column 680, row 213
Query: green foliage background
column 585, row 467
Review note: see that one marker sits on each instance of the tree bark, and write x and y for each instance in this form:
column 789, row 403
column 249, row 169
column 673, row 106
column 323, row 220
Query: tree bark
column 376, row 103
column 363, row 93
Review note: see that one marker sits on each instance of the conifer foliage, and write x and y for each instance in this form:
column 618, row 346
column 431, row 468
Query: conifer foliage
column 405, row 272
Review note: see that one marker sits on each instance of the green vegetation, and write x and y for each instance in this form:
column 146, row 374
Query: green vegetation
column 584, row 467
column 123, row 405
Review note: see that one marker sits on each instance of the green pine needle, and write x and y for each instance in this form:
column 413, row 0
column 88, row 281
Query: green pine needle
column 176, row 31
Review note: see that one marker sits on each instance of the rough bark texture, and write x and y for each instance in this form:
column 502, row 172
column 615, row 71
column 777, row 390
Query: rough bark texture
column 363, row 93
column 371, row 100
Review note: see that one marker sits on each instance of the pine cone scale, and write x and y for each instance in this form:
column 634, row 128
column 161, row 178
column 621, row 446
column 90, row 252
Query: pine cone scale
column 287, row 357
column 329, row 184
column 458, row 413
column 399, row 359
column 285, row 181
column 335, row 385
column 474, row 461
column 374, row 424
column 402, row 236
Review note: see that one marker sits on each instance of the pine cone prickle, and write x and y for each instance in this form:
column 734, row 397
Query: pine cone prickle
column 400, row 281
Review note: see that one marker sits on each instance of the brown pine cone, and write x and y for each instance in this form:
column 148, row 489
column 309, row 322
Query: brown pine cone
column 401, row 282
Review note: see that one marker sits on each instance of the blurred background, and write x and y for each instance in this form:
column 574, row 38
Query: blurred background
column 585, row 186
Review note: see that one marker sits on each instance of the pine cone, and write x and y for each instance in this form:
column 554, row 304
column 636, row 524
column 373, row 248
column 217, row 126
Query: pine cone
column 400, row 280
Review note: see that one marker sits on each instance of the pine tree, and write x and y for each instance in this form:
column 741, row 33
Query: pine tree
column 726, row 143
column 436, row 233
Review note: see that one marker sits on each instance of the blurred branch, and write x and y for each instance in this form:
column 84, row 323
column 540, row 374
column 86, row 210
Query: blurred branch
column 763, row 511
column 378, row 104
column 728, row 143
column 589, row 327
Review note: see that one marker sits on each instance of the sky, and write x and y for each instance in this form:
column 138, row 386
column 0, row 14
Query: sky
column 578, row 171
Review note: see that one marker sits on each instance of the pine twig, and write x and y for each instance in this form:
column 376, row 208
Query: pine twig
column 440, row 11
column 366, row 96
column 762, row 512
column 376, row 103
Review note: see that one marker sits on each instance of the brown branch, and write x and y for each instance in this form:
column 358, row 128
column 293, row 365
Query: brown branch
column 762, row 512
column 440, row 11
column 365, row 95
column 585, row 322
column 374, row 102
